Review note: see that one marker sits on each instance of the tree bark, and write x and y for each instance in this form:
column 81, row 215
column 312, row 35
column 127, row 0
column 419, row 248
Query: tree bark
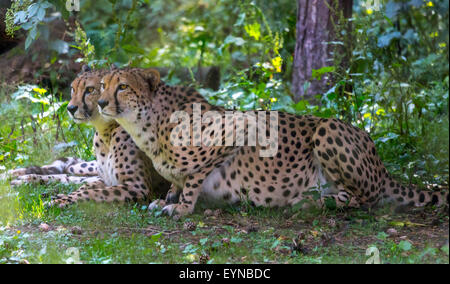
column 316, row 22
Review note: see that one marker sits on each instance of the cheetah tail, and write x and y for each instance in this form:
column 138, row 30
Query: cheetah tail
column 414, row 197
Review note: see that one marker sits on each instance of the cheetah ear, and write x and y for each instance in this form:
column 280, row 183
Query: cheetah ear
column 152, row 77
column 113, row 67
column 85, row 68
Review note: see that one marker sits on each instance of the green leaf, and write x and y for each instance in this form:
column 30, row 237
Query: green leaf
column 240, row 20
column 133, row 49
column 382, row 236
column 203, row 241
column 32, row 10
column 445, row 249
column 60, row 46
column 156, row 237
column 392, row 9
column 385, row 40
column 46, row 5
column 40, row 14
column 301, row 105
column 236, row 40
column 318, row 73
column 20, row 17
column 330, row 203
column 235, row 240
column 405, row 245
column 28, row 41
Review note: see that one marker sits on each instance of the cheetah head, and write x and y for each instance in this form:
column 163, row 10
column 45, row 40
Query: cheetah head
column 124, row 90
column 85, row 92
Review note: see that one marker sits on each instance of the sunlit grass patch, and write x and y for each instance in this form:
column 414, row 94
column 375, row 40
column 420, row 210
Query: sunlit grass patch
column 8, row 204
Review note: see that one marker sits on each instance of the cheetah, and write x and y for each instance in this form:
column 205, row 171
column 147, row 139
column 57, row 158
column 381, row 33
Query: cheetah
column 121, row 172
column 65, row 170
column 327, row 155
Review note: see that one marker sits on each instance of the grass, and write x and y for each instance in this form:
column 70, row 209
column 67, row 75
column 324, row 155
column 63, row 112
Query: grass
column 101, row 233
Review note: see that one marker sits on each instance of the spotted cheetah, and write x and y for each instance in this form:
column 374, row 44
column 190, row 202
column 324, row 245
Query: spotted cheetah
column 334, row 157
column 66, row 170
column 125, row 174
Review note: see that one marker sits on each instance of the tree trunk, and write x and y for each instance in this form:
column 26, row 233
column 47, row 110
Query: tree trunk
column 316, row 25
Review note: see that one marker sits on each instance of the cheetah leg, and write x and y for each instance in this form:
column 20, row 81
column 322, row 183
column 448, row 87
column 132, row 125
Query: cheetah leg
column 191, row 191
column 45, row 179
column 341, row 200
column 83, row 169
column 172, row 197
column 61, row 166
column 344, row 198
column 99, row 192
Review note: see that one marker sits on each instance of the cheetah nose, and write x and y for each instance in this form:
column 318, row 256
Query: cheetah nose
column 72, row 109
column 102, row 103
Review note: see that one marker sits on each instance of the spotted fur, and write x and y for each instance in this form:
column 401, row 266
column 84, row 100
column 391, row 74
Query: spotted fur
column 329, row 155
column 63, row 170
column 125, row 174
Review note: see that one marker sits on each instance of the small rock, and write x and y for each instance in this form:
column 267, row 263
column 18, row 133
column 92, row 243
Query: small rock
column 217, row 212
column 45, row 227
column 392, row 232
column 208, row 213
column 76, row 230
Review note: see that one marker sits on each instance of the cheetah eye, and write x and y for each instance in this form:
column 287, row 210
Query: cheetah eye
column 89, row 90
column 123, row 87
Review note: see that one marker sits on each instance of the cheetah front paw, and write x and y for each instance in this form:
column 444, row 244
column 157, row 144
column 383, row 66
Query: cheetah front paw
column 20, row 180
column 59, row 202
column 26, row 179
column 177, row 210
column 157, row 204
column 16, row 182
column 17, row 172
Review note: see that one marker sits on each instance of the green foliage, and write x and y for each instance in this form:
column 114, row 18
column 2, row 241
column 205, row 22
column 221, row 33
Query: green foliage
column 104, row 233
column 36, row 128
column 12, row 20
column 28, row 16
